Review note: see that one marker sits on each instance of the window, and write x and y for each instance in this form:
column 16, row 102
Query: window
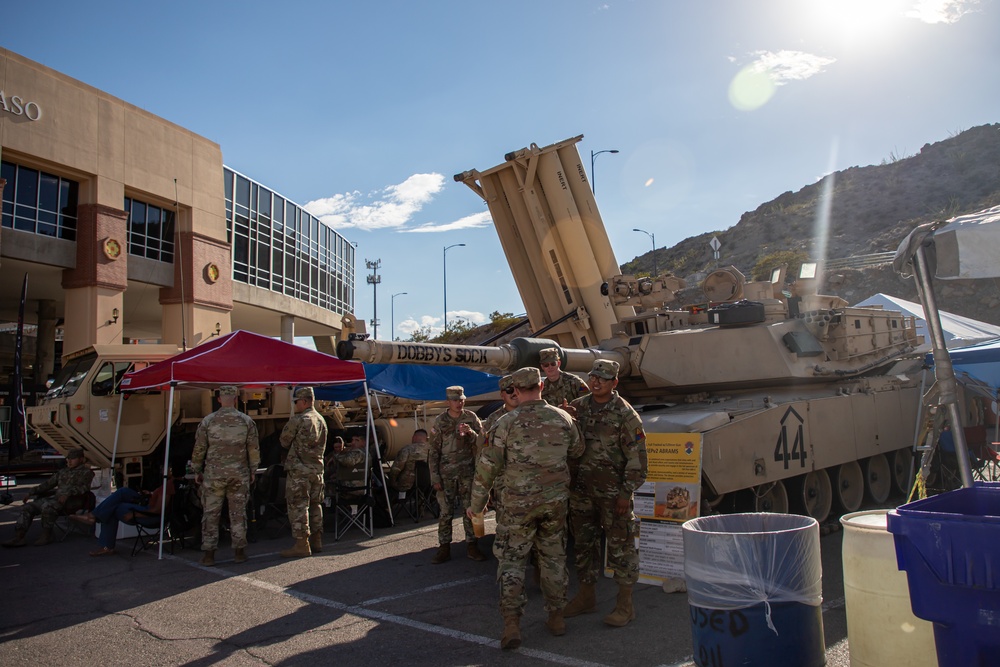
column 278, row 246
column 38, row 202
column 150, row 230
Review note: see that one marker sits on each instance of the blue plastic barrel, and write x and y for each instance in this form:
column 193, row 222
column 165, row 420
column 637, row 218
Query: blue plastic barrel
column 754, row 590
column 949, row 546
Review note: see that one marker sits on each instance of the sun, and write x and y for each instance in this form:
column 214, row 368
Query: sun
column 858, row 18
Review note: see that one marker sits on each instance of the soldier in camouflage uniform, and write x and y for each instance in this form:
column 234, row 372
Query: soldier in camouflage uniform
column 530, row 449
column 304, row 436
column 451, row 458
column 561, row 388
column 612, row 468
column 403, row 472
column 62, row 493
column 225, row 459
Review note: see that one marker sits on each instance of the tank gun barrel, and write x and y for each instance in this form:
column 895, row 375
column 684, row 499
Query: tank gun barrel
column 519, row 353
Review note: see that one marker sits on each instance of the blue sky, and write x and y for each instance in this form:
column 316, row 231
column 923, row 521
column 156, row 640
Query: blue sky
column 364, row 110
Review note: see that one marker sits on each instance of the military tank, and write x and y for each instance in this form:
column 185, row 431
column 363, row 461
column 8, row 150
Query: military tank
column 802, row 402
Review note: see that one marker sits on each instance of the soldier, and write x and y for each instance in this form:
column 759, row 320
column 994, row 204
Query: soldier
column 62, row 493
column 225, row 459
column 509, row 403
column 403, row 473
column 352, row 456
column 451, row 458
column 561, row 388
column 530, row 448
column 611, row 469
column 304, row 436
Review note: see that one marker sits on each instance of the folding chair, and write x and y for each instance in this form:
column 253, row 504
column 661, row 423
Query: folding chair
column 147, row 530
column 270, row 494
column 405, row 502
column 426, row 498
column 353, row 505
column 83, row 502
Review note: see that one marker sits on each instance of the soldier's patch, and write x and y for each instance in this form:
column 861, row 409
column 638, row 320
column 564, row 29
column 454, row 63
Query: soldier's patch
column 639, row 434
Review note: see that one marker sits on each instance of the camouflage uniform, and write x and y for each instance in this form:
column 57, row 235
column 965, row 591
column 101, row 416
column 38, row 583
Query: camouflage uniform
column 451, row 459
column 304, row 436
column 66, row 482
column 568, row 387
column 613, row 466
column 226, row 453
column 529, row 448
column 347, row 459
column 403, row 472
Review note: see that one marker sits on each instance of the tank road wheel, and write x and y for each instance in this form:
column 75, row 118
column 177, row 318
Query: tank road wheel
column 771, row 498
column 813, row 494
column 878, row 478
column 849, row 486
column 902, row 461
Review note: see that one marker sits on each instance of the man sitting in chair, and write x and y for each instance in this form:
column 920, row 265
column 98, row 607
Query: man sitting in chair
column 351, row 456
column 62, row 493
column 126, row 505
column 403, row 472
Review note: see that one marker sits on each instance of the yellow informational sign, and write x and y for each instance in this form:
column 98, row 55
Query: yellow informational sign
column 670, row 496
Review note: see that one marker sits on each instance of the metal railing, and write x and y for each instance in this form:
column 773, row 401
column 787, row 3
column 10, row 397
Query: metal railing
column 860, row 261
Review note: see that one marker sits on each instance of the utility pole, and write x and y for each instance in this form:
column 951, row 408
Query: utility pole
column 374, row 279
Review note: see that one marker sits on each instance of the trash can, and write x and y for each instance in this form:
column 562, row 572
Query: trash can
column 754, row 589
column 949, row 546
column 881, row 627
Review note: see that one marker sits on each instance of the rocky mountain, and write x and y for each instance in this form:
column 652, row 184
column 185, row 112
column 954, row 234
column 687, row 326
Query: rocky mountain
column 871, row 209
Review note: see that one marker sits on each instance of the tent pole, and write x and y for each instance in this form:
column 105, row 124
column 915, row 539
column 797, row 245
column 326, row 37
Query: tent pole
column 378, row 455
column 118, row 424
column 166, row 467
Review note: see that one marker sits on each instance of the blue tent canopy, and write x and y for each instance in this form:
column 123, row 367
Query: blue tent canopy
column 414, row 381
column 981, row 362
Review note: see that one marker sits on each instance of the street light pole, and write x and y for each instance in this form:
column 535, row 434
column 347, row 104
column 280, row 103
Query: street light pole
column 454, row 245
column 593, row 179
column 652, row 237
column 392, row 315
column 374, row 279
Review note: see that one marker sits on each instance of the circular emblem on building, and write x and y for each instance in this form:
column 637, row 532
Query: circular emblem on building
column 211, row 273
column 112, row 248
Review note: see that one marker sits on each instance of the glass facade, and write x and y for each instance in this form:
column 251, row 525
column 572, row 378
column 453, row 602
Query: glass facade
column 38, row 202
column 279, row 246
column 150, row 230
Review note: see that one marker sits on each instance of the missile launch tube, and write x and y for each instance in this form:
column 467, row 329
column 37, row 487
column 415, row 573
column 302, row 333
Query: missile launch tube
column 519, row 353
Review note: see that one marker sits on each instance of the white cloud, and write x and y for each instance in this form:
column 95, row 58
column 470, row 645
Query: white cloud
column 389, row 208
column 470, row 315
column 785, row 66
column 409, row 325
column 482, row 219
column 940, row 11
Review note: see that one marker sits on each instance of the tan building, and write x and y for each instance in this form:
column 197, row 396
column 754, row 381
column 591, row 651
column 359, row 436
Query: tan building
column 131, row 229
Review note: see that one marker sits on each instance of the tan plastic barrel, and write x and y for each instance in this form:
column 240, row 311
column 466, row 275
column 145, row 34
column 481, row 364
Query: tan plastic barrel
column 881, row 627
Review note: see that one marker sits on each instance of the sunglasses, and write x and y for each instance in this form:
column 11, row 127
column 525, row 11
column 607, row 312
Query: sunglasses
column 546, row 364
column 509, row 391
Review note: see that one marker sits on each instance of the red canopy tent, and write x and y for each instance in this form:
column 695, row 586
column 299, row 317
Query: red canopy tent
column 240, row 358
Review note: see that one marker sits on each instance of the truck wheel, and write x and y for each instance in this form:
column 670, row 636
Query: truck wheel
column 848, row 486
column 878, row 478
column 771, row 498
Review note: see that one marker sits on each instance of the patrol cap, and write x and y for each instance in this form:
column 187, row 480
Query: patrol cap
column 526, row 378
column 456, row 393
column 605, row 368
column 75, row 454
column 228, row 390
column 548, row 355
column 304, row 393
column 506, row 382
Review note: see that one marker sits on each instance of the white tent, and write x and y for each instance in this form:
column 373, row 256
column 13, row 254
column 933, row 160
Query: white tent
column 958, row 331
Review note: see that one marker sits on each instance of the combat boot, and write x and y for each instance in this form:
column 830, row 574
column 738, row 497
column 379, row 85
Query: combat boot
column 472, row 548
column 18, row 539
column 511, row 632
column 300, row 550
column 240, row 556
column 208, row 558
column 624, row 611
column 316, row 542
column 585, row 602
column 443, row 554
column 45, row 538
column 556, row 623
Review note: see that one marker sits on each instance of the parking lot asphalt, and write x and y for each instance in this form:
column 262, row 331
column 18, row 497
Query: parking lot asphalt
column 362, row 601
